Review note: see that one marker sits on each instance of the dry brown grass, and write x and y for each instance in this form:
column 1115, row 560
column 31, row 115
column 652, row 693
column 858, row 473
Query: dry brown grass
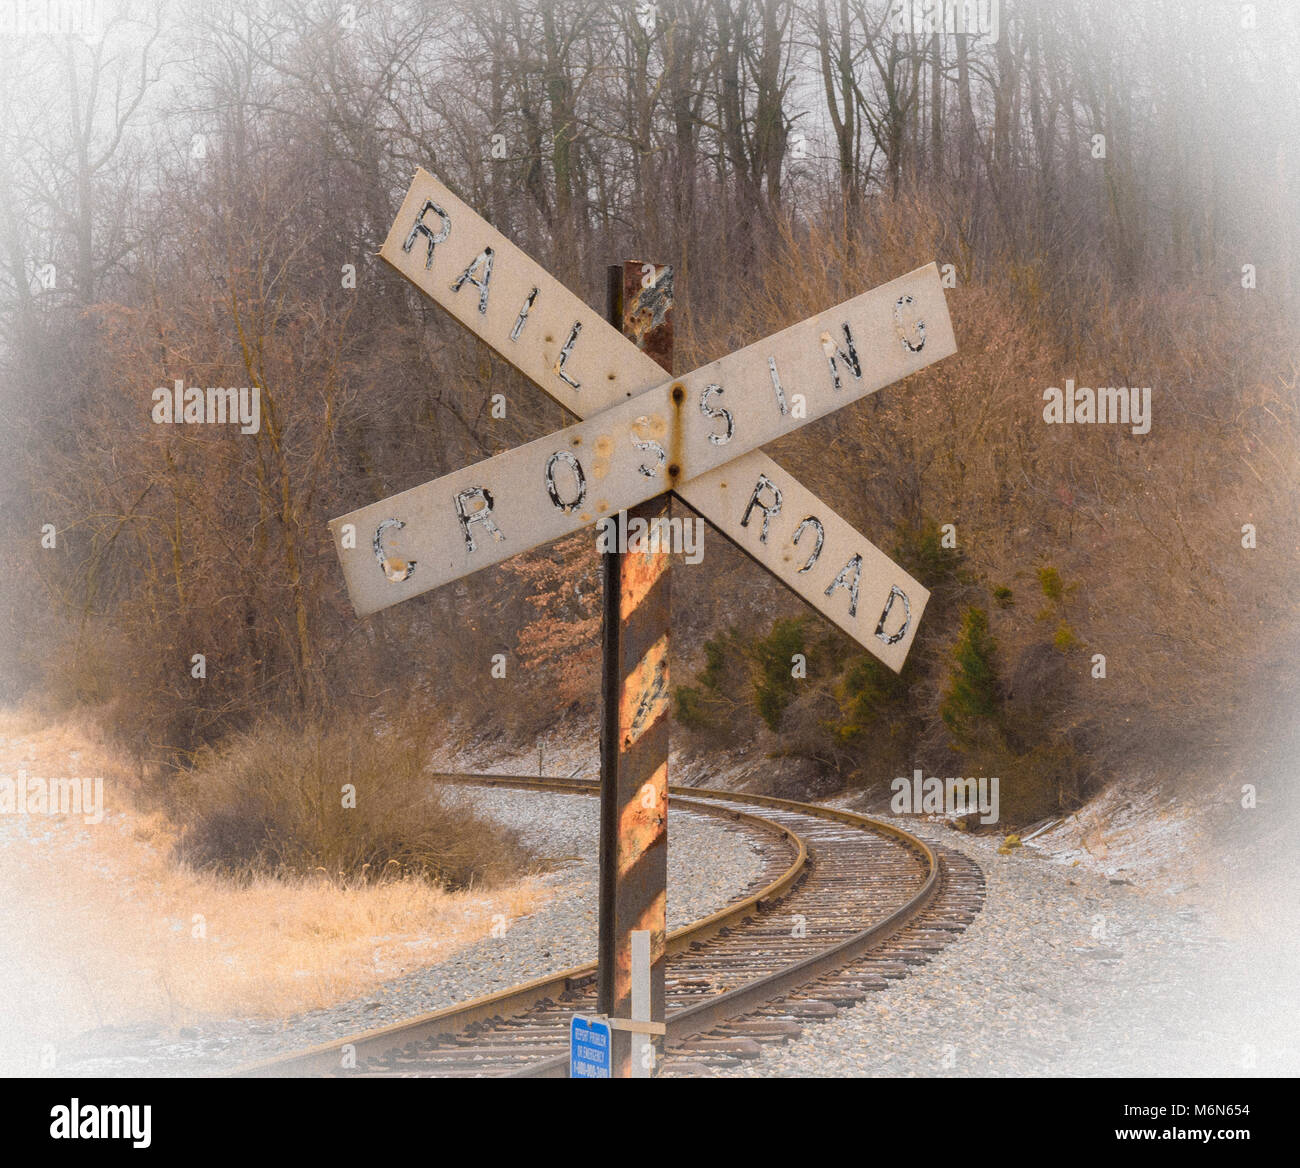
column 348, row 797
column 101, row 927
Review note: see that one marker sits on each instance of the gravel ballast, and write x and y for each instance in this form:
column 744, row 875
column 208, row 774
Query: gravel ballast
column 1065, row 972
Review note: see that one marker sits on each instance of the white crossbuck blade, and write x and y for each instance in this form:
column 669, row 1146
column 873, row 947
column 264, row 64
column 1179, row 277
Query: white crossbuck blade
column 644, row 433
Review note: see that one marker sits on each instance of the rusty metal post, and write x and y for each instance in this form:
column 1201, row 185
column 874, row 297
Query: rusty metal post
column 635, row 714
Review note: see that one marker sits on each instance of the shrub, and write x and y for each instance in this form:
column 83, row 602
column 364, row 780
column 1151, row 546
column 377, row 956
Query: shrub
column 878, row 721
column 870, row 691
column 1064, row 638
column 709, row 707
column 971, row 707
column 690, row 707
column 272, row 801
column 1049, row 580
column 771, row 668
column 920, row 550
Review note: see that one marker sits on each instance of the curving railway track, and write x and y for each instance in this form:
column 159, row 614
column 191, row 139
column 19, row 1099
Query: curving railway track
column 849, row 905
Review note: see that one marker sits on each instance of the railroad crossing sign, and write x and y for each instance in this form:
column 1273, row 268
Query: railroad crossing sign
column 644, row 434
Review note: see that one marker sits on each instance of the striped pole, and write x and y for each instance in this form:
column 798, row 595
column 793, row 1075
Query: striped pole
column 634, row 727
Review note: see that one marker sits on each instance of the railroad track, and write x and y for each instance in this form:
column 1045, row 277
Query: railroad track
column 850, row 904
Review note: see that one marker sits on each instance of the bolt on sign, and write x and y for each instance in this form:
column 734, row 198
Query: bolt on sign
column 643, row 433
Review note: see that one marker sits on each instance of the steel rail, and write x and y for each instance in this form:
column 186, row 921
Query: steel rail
column 713, row 1011
column 326, row 1058
column 682, row 1024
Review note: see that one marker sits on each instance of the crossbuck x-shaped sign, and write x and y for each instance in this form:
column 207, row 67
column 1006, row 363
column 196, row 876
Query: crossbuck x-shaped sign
column 644, row 434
